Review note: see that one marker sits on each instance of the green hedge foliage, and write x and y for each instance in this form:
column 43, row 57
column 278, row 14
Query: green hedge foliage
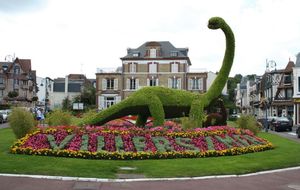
column 21, row 122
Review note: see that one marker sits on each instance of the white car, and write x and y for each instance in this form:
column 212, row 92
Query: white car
column 4, row 115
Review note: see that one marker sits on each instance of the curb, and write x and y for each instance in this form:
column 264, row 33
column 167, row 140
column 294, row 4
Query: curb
column 144, row 179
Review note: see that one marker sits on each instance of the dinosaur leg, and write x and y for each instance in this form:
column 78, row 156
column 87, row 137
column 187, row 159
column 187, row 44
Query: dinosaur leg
column 157, row 111
column 197, row 113
column 141, row 120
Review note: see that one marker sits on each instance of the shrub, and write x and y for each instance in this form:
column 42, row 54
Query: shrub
column 186, row 123
column 21, row 122
column 213, row 119
column 59, row 117
column 85, row 116
column 248, row 122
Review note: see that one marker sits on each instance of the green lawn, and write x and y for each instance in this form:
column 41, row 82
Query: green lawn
column 286, row 154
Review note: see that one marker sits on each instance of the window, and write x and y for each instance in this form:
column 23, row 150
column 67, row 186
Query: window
column 1, row 80
column 152, row 67
column 109, row 101
column 174, row 67
column 287, row 79
column 16, row 81
column 132, row 67
column 1, row 93
column 195, row 84
column 17, row 70
column 132, row 85
column 174, row 83
column 109, row 84
column 289, row 93
column 152, row 81
column 153, row 53
column 174, row 54
column 135, row 54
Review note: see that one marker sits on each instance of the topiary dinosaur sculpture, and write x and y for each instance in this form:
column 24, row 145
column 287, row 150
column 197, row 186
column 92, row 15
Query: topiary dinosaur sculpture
column 161, row 102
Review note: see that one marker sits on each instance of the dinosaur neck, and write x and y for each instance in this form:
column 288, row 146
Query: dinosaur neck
column 219, row 83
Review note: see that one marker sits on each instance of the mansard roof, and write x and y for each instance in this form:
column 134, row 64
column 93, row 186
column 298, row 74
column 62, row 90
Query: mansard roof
column 167, row 50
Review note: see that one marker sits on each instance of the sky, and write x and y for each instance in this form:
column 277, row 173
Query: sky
column 78, row 36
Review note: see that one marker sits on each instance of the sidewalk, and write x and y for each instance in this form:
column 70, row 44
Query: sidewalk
column 286, row 180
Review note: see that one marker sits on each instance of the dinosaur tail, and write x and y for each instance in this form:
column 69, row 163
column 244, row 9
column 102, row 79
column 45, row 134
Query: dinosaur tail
column 219, row 83
column 116, row 111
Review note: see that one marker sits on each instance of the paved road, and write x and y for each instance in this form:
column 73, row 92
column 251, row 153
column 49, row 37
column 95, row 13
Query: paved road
column 4, row 125
column 287, row 134
column 284, row 180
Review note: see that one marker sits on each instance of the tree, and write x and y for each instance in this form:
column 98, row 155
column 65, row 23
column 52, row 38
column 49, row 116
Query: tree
column 12, row 94
column 66, row 103
column 87, row 96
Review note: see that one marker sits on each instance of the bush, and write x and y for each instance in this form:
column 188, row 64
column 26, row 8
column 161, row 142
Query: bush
column 214, row 119
column 21, row 122
column 248, row 122
column 59, row 117
column 84, row 116
column 186, row 123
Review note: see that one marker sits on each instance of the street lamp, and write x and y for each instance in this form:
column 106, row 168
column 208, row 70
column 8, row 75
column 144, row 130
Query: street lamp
column 270, row 64
column 46, row 92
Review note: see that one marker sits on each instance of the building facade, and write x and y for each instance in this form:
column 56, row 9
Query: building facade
column 68, row 87
column 296, row 92
column 272, row 94
column 155, row 63
column 16, row 76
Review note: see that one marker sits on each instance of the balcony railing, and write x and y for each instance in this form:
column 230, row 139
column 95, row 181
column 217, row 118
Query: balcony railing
column 283, row 99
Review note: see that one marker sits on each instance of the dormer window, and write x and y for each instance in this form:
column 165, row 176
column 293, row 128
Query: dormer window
column 174, row 54
column 135, row 54
column 152, row 53
column 17, row 70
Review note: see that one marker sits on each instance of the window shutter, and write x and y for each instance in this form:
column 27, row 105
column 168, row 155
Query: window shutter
column 200, row 83
column 116, row 84
column 157, row 82
column 190, row 84
column 136, row 83
column 169, row 82
column 103, row 84
column 148, row 82
column 101, row 102
column 179, row 83
column 128, row 84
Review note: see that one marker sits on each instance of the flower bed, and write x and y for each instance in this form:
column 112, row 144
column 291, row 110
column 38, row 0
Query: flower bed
column 114, row 142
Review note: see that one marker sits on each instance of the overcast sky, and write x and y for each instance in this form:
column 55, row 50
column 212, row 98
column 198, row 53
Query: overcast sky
column 79, row 36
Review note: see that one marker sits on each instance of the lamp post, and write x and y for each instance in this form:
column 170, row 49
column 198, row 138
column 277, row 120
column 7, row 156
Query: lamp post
column 46, row 92
column 270, row 64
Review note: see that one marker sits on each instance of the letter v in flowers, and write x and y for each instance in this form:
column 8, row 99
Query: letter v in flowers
column 63, row 143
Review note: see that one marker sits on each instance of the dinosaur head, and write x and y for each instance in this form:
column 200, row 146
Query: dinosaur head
column 215, row 23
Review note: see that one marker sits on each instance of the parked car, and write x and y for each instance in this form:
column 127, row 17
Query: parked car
column 234, row 117
column 4, row 114
column 269, row 119
column 281, row 124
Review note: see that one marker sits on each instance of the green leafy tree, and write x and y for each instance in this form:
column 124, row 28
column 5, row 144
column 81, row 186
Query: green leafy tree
column 13, row 94
column 66, row 103
column 87, row 96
